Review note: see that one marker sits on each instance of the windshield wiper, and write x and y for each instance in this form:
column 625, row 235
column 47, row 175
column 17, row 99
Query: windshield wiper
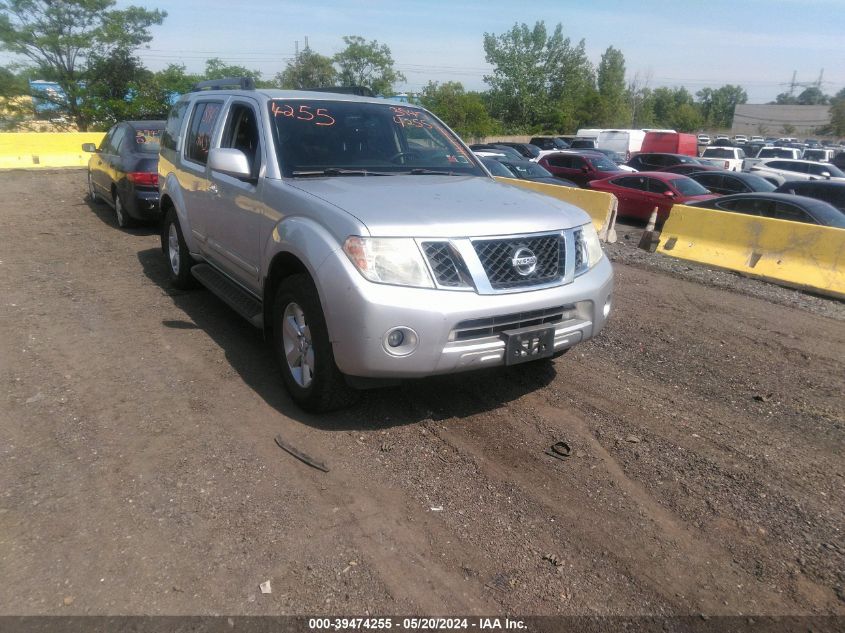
column 337, row 171
column 429, row 172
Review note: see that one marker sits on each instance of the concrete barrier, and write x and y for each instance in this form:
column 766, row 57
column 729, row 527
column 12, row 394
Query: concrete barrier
column 40, row 150
column 599, row 205
column 794, row 254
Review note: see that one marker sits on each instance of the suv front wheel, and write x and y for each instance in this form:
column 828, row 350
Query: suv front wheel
column 302, row 347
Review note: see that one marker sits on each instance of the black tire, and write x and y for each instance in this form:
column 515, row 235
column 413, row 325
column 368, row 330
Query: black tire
column 179, row 270
column 327, row 389
column 123, row 219
column 93, row 196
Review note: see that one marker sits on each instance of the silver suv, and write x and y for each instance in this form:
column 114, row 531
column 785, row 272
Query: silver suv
column 368, row 241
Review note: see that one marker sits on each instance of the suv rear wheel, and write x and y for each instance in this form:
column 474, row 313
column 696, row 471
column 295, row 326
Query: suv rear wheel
column 302, row 347
column 179, row 260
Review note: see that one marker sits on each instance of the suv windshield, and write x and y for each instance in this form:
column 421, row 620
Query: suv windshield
column 336, row 138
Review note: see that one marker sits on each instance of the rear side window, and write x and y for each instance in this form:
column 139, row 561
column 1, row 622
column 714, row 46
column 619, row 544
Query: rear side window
column 786, row 211
column 198, row 140
column 170, row 137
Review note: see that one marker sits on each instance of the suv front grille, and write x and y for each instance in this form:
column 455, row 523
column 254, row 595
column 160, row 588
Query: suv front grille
column 497, row 257
column 448, row 267
column 480, row 328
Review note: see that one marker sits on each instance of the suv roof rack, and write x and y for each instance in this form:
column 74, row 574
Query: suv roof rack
column 361, row 91
column 237, row 83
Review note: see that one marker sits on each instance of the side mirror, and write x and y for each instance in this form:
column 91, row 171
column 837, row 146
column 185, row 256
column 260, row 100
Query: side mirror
column 825, row 174
column 669, row 194
column 232, row 162
column 585, row 169
column 89, row 147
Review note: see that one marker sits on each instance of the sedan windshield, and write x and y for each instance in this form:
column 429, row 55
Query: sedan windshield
column 688, row 187
column 340, row 138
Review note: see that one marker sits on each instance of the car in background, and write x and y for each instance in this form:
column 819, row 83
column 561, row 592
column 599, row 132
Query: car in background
column 549, row 143
column 780, row 206
column 617, row 157
column 492, row 151
column 703, row 139
column 582, row 143
column 825, row 190
column 529, row 170
column 579, row 166
column 756, row 139
column 123, row 170
column 731, row 157
column 527, row 150
column 726, row 182
column 640, row 193
column 740, row 138
column 689, row 168
column 839, row 160
column 818, row 154
column 770, row 151
column 655, row 161
column 779, row 171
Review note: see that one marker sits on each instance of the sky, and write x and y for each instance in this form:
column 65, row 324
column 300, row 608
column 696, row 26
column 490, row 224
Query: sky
column 693, row 43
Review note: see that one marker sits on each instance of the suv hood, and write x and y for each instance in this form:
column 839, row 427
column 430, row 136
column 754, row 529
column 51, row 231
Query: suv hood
column 442, row 206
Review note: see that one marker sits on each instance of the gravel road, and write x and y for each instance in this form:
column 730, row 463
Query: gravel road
column 140, row 476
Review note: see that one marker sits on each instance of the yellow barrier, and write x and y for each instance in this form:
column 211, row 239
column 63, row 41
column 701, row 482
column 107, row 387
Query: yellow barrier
column 790, row 253
column 600, row 206
column 39, row 150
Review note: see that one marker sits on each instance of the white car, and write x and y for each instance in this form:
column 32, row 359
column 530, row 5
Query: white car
column 757, row 139
column 777, row 170
column 703, row 139
column 790, row 153
column 740, row 138
column 731, row 157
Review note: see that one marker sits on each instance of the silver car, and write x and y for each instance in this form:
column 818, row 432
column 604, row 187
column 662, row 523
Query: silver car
column 368, row 241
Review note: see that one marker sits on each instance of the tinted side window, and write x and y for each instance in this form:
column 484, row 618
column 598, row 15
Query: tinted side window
column 709, row 180
column 748, row 207
column 560, row 161
column 198, row 140
column 656, row 186
column 786, row 211
column 106, row 140
column 116, row 139
column 818, row 170
column 631, row 182
column 733, row 185
column 170, row 137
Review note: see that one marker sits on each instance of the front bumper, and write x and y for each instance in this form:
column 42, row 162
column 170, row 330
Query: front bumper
column 359, row 314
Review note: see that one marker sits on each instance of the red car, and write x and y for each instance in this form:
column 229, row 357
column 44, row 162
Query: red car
column 579, row 167
column 640, row 192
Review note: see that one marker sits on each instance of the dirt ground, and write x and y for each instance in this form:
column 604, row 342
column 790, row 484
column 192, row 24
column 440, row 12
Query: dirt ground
column 138, row 472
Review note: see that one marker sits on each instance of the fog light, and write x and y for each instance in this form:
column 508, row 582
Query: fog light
column 395, row 338
column 400, row 341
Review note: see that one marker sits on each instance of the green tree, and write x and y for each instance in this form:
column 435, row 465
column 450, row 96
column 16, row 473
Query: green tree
column 61, row 37
column 465, row 112
column 307, row 70
column 538, row 80
column 785, row 98
column 717, row 106
column 813, row 96
column 367, row 64
column 121, row 88
column 174, row 80
column 216, row 68
column 613, row 102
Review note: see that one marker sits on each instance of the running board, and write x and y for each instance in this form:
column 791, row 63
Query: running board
column 230, row 293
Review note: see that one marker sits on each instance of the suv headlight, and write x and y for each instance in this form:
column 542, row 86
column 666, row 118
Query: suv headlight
column 590, row 248
column 388, row 260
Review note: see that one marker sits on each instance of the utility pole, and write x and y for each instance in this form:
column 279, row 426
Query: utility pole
column 819, row 81
column 306, row 43
column 296, row 48
column 792, row 83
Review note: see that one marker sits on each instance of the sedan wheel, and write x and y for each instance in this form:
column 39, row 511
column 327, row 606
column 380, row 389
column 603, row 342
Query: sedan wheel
column 92, row 193
column 123, row 219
